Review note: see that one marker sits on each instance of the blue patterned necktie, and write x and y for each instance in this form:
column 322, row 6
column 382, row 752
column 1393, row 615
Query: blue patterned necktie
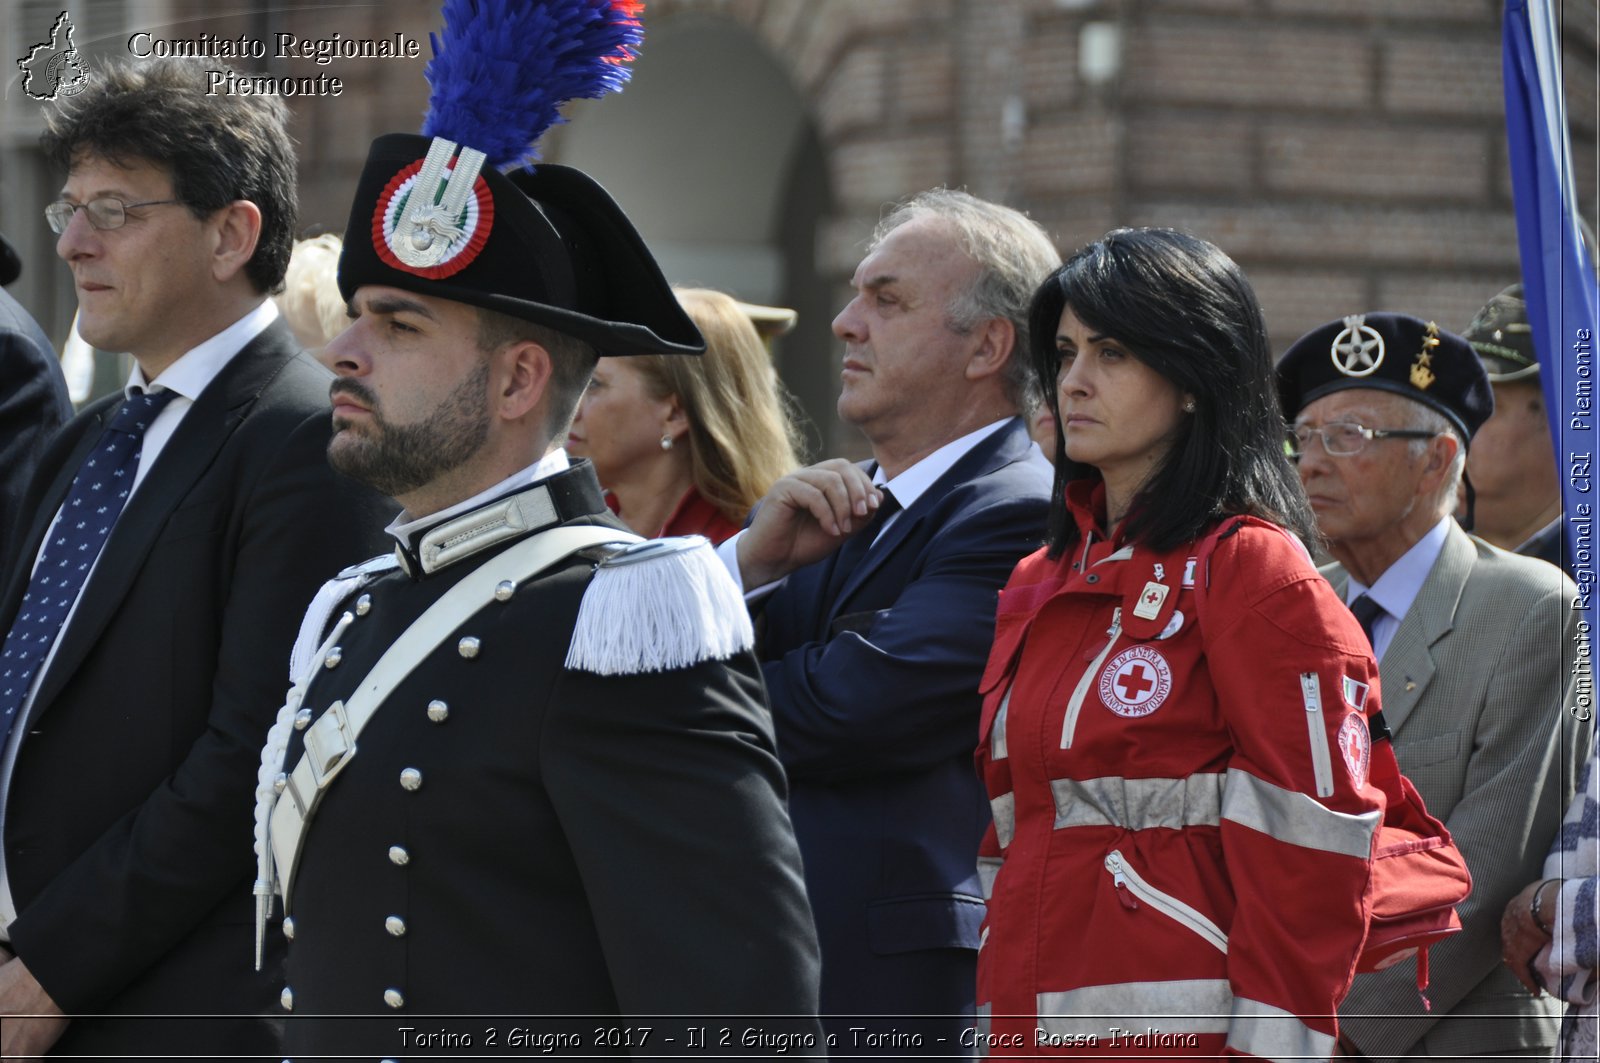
column 90, row 511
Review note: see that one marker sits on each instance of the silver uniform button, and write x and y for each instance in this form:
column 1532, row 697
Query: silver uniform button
column 286, row 998
column 395, row 926
column 411, row 779
column 280, row 782
column 394, row 998
column 302, row 719
column 333, row 658
column 364, row 605
column 288, row 928
column 398, row 856
column 438, row 711
column 504, row 590
column 468, row 647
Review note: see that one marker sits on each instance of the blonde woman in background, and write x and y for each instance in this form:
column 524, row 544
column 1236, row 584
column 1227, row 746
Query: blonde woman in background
column 310, row 301
column 686, row 446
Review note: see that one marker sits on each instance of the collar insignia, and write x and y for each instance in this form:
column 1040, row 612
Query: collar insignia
column 434, row 217
column 1358, row 349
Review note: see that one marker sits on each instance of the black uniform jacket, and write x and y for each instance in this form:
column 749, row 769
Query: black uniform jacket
column 133, row 783
column 570, row 844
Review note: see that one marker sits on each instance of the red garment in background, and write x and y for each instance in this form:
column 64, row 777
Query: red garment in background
column 693, row 515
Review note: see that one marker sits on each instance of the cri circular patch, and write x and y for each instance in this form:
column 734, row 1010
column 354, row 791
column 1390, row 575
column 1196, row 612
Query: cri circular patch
column 1355, row 742
column 448, row 244
column 1136, row 682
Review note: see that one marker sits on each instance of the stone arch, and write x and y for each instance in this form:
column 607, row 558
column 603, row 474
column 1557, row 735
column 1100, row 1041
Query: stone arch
column 713, row 154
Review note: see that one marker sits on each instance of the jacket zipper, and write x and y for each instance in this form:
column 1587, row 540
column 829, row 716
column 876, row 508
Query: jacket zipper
column 1075, row 703
column 997, row 729
column 1127, row 879
column 1311, row 693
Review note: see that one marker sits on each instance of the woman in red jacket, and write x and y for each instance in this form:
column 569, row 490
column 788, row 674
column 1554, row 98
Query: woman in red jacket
column 1174, row 734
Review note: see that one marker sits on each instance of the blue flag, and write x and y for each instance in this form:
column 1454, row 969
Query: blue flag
column 1558, row 276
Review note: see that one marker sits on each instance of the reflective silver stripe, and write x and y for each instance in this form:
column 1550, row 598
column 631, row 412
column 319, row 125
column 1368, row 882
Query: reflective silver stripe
column 997, row 734
column 1087, row 680
column 983, row 1028
column 1198, row 1005
column 1296, row 818
column 1321, row 763
column 1272, row 1033
column 988, row 868
column 1138, row 804
column 1004, row 808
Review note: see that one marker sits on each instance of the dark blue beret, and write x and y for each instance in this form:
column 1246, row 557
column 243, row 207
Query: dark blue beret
column 1396, row 353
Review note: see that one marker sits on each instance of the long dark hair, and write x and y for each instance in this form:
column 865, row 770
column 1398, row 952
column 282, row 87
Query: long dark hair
column 1185, row 309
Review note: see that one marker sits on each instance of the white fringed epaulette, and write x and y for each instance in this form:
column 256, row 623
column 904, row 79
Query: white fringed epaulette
column 656, row 606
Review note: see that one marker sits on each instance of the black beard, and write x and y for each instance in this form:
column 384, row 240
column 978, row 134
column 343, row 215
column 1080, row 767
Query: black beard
column 398, row 459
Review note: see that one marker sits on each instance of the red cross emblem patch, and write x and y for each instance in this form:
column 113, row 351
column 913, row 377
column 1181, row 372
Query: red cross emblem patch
column 1135, row 682
column 1355, row 742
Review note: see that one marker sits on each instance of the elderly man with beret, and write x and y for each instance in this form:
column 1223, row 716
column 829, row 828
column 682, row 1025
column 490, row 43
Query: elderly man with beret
column 1469, row 642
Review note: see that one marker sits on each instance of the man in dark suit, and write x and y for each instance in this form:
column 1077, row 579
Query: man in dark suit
column 147, row 627
column 33, row 404
column 873, row 650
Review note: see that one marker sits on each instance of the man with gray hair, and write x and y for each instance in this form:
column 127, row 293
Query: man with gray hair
column 1469, row 644
column 876, row 640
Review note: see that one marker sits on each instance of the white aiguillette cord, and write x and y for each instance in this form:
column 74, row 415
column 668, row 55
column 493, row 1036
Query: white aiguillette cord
column 286, row 820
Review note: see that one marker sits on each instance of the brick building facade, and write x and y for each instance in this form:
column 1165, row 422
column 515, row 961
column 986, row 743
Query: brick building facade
column 1350, row 154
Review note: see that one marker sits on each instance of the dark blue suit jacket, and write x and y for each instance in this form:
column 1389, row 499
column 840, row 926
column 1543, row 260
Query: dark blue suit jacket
column 875, row 698
column 127, row 823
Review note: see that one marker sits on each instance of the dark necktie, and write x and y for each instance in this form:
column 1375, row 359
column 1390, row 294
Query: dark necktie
column 853, row 552
column 90, row 511
column 1367, row 612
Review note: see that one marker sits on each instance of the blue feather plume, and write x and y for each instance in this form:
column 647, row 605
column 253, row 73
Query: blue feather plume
column 501, row 69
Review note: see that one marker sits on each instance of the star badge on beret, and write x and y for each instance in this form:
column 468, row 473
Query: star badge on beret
column 1352, row 349
column 1422, row 368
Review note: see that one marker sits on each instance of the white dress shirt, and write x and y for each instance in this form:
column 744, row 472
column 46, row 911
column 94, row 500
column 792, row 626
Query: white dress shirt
column 1399, row 585
column 188, row 376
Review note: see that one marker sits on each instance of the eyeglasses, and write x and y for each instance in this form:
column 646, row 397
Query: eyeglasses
column 104, row 213
column 1343, row 439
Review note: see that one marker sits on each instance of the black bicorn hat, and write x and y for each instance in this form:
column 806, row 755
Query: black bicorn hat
column 1503, row 339
column 1397, row 353
column 547, row 245
column 455, row 212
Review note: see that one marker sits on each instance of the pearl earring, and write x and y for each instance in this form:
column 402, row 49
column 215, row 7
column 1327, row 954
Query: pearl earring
column 1188, row 406
column 666, row 442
